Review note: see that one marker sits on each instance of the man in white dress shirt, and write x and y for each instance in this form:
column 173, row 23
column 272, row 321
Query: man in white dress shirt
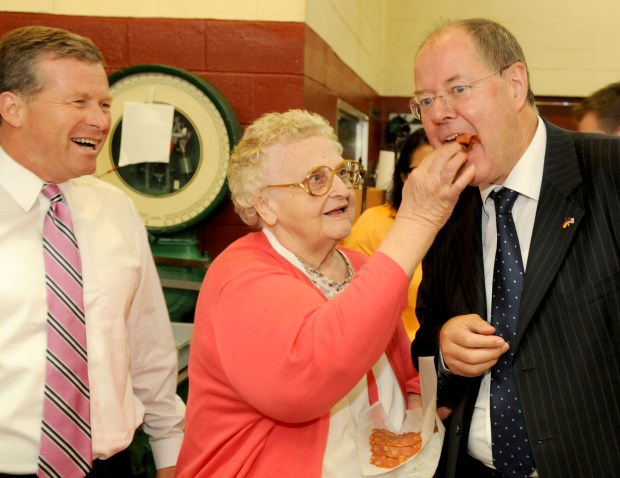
column 55, row 117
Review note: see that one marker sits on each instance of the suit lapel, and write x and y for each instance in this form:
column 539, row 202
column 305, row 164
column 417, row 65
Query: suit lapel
column 467, row 237
column 476, row 295
column 557, row 204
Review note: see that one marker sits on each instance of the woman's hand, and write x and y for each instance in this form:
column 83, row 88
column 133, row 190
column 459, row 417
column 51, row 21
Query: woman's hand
column 429, row 196
column 432, row 189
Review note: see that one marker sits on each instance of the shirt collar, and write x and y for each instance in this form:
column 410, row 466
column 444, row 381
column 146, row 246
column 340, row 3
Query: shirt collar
column 283, row 251
column 526, row 176
column 20, row 183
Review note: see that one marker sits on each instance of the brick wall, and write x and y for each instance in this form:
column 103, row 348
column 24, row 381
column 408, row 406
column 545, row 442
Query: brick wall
column 258, row 66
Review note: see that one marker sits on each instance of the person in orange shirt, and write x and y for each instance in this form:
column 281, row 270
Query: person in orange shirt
column 374, row 223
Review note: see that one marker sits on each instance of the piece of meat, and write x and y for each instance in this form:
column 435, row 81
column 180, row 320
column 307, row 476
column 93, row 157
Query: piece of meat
column 390, row 449
column 468, row 141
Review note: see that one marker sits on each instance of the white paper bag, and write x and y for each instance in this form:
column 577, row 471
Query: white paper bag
column 424, row 421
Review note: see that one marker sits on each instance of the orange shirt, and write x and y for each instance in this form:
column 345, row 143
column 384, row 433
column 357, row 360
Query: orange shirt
column 367, row 233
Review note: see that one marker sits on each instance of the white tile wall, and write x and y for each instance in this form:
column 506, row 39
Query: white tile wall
column 572, row 46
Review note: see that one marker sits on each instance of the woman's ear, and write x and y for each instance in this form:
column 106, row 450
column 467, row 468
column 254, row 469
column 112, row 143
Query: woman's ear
column 10, row 108
column 519, row 82
column 265, row 211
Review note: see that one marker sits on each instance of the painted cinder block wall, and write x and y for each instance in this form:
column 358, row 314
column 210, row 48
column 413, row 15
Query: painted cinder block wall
column 258, row 66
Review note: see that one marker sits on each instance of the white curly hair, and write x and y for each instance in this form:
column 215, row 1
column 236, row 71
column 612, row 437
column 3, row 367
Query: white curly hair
column 247, row 168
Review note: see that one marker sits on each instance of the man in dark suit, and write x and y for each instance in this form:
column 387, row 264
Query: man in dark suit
column 563, row 357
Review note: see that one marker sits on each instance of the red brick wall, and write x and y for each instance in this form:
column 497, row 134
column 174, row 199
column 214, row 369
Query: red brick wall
column 258, row 66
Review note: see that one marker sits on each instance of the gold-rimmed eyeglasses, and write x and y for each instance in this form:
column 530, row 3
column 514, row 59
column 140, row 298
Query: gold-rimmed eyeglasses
column 420, row 104
column 319, row 180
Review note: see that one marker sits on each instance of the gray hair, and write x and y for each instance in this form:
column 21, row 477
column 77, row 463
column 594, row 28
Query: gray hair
column 497, row 47
column 247, row 169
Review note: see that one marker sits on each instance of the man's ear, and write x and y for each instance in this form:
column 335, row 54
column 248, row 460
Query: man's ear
column 10, row 108
column 265, row 211
column 519, row 82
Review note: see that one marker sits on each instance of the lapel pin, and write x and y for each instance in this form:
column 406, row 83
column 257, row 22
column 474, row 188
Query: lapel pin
column 567, row 222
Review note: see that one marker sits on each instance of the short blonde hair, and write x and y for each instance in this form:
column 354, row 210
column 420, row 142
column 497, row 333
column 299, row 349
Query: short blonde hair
column 247, row 168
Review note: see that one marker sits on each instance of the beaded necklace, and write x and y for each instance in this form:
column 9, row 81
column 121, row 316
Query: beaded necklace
column 327, row 286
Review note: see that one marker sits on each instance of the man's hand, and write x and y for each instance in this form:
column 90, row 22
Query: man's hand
column 468, row 346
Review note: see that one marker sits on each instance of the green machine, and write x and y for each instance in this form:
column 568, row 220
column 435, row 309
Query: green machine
column 173, row 191
column 173, row 197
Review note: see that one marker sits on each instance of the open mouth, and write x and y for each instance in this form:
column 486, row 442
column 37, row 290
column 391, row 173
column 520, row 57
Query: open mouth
column 468, row 141
column 338, row 211
column 85, row 142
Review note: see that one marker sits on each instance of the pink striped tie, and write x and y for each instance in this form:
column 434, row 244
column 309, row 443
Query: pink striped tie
column 66, row 449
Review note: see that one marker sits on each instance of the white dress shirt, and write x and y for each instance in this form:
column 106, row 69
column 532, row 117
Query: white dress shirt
column 132, row 360
column 526, row 179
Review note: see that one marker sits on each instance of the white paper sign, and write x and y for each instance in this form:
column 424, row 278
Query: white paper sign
column 147, row 133
column 385, row 169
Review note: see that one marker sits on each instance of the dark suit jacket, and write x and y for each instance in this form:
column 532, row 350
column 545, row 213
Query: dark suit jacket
column 567, row 362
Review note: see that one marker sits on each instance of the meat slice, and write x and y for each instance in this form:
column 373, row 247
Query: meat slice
column 468, row 141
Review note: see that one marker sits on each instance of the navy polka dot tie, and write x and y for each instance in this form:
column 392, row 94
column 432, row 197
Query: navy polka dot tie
column 512, row 454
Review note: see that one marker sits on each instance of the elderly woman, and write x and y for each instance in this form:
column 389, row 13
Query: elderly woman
column 294, row 336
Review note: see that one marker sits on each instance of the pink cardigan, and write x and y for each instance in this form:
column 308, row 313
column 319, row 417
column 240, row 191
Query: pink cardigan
column 270, row 357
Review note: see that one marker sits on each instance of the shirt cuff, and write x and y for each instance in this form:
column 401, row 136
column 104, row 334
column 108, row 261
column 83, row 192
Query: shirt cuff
column 441, row 367
column 166, row 451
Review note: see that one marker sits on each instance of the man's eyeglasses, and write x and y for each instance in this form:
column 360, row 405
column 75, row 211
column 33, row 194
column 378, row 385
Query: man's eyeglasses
column 319, row 180
column 454, row 95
